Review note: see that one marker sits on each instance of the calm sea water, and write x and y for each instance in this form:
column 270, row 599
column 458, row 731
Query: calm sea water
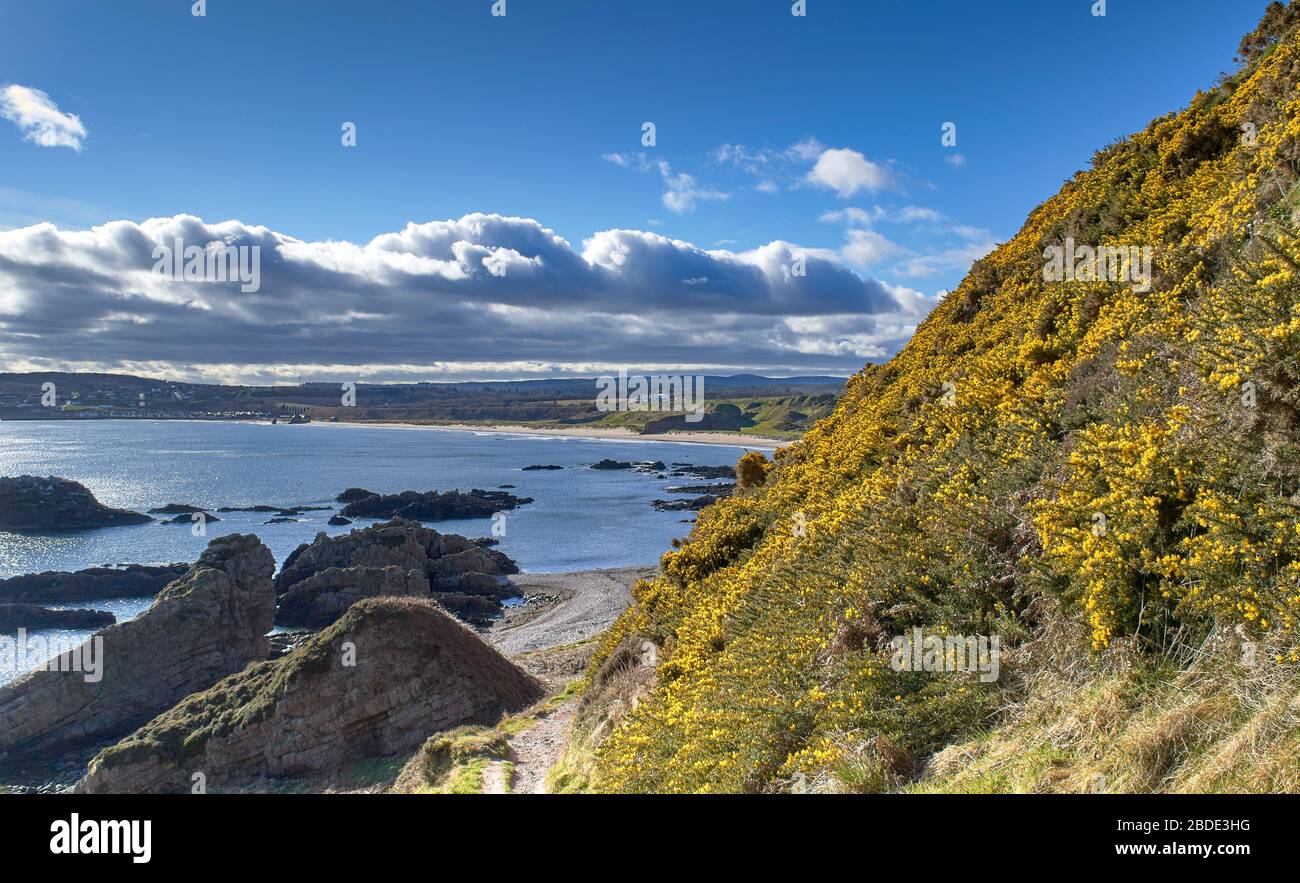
column 581, row 518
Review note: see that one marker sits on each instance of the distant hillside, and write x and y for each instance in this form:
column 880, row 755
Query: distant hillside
column 749, row 403
column 1101, row 473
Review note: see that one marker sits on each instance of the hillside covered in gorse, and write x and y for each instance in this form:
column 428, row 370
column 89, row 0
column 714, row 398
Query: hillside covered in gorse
column 1085, row 462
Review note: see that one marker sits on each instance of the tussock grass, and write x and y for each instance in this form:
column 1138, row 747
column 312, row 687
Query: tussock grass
column 1205, row 719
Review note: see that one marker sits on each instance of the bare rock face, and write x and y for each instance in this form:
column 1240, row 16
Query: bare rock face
column 207, row 624
column 466, row 577
column 323, row 597
column 32, row 503
column 93, row 583
column 377, row 683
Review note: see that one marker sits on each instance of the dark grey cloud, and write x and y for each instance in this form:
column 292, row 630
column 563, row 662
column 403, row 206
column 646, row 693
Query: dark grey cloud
column 482, row 295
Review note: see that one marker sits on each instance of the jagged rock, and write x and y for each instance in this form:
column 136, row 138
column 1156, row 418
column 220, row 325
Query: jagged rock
column 414, row 671
column 278, row 510
column 62, row 587
column 717, row 490
column 549, row 467
column 474, row 609
column 612, row 464
column 322, row 598
column 691, row 505
column 32, row 503
column 192, row 518
column 338, row 520
column 449, row 562
column 704, row 471
column 33, row 616
column 434, row 506
column 176, row 509
column 284, row 643
column 352, row 494
column 200, row 628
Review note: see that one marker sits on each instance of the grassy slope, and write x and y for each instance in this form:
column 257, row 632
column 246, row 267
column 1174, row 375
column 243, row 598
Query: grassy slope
column 1157, row 653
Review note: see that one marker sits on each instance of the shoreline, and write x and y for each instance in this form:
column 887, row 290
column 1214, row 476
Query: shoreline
column 728, row 439
column 613, row 433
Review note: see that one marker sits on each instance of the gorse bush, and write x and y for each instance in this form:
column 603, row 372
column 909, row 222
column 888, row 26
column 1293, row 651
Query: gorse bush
column 1126, row 460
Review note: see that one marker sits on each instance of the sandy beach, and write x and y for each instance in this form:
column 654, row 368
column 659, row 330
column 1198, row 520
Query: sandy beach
column 565, row 608
column 733, row 439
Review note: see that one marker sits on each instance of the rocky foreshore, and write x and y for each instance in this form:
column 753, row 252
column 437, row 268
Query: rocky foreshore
column 205, row 625
column 321, row 579
column 32, row 503
column 377, row 683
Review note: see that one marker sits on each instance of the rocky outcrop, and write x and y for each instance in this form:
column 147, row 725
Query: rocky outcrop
column 644, row 466
column 692, row 505
column 455, row 569
column 546, row 468
column 377, row 683
column 33, row 616
column 432, row 505
column 207, row 624
column 197, row 517
column 717, row 490
column 176, row 509
column 686, row 470
column 284, row 511
column 62, row 587
column 284, row 643
column 322, row 598
column 32, row 503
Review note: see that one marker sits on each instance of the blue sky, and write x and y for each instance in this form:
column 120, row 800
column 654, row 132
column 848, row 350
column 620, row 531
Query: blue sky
column 821, row 131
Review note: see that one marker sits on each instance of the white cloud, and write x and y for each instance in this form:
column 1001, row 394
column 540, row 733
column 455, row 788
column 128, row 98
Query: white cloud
column 967, row 232
column 40, row 119
column 867, row 247
column 911, row 214
column 847, row 171
column 482, row 294
column 957, row 160
column 755, row 159
column 681, row 194
column 952, row 259
column 852, row 215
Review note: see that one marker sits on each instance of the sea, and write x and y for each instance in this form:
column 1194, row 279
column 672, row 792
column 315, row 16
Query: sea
column 581, row 518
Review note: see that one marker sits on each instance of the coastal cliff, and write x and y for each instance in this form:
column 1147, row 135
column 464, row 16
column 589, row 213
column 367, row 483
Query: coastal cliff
column 377, row 683
column 207, row 624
